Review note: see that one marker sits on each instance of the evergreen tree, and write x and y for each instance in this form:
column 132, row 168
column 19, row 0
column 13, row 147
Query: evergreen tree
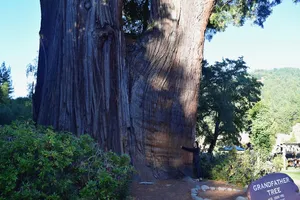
column 279, row 108
column 6, row 88
column 227, row 92
column 31, row 74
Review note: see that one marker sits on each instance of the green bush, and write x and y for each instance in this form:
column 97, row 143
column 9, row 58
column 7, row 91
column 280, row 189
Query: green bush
column 206, row 163
column 240, row 168
column 224, row 166
column 38, row 163
column 278, row 163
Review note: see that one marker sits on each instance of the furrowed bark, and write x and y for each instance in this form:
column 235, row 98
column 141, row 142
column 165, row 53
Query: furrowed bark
column 83, row 84
column 82, row 80
column 166, row 67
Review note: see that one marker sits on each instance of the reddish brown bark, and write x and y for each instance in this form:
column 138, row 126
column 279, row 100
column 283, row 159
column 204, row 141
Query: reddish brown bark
column 83, row 84
column 166, row 71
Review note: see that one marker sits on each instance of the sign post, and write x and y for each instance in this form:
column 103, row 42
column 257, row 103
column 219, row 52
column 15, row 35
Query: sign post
column 275, row 186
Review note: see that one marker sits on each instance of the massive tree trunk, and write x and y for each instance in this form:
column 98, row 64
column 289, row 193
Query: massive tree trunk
column 166, row 70
column 83, row 84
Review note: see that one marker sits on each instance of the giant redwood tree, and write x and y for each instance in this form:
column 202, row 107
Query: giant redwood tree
column 137, row 97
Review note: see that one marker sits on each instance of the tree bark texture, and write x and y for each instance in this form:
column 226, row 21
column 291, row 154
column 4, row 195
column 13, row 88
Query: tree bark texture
column 82, row 82
column 84, row 86
column 165, row 70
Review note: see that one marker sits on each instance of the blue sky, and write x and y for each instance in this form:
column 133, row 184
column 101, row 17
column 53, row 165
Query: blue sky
column 277, row 45
column 19, row 38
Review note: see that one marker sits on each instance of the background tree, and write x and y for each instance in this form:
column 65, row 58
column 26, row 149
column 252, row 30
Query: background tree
column 227, row 92
column 237, row 12
column 279, row 108
column 16, row 109
column 146, row 107
column 31, row 74
column 281, row 95
column 11, row 109
column 261, row 134
column 6, row 88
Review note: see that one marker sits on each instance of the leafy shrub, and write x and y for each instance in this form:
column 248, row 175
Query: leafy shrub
column 240, row 169
column 223, row 168
column 277, row 163
column 38, row 163
column 206, row 163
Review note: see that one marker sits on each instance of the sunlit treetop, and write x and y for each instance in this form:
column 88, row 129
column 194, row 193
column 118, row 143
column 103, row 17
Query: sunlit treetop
column 237, row 12
column 136, row 14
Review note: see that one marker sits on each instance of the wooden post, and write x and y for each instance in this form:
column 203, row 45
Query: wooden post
column 283, row 157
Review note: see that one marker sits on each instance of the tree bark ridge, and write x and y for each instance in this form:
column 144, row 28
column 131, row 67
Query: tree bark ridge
column 80, row 86
column 83, row 84
column 166, row 67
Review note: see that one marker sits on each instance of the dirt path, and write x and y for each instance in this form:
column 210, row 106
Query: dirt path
column 162, row 190
column 180, row 189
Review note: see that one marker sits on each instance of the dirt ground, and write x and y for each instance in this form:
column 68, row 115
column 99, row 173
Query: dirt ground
column 180, row 189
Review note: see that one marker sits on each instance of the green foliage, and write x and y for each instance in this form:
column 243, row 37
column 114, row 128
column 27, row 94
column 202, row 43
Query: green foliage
column 237, row 12
column 38, row 163
column 5, row 84
column 240, row 169
column 281, row 94
column 278, row 163
column 279, row 108
column 261, row 136
column 136, row 15
column 227, row 92
column 224, row 169
column 31, row 74
column 15, row 109
column 11, row 109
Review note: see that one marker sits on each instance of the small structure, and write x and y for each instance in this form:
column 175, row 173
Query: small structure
column 290, row 154
column 229, row 148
